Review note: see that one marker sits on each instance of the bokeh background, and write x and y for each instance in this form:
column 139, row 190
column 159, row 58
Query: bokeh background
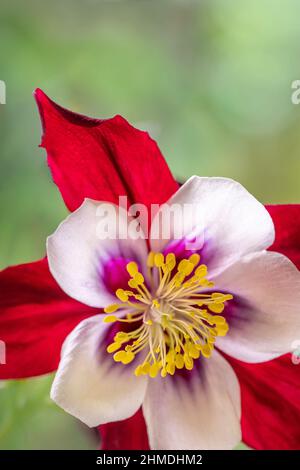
column 211, row 81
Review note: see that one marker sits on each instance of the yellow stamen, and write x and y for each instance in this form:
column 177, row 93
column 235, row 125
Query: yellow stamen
column 132, row 268
column 111, row 308
column 195, row 258
column 110, row 319
column 175, row 319
column 150, row 260
column 113, row 347
column 122, row 295
column 158, row 260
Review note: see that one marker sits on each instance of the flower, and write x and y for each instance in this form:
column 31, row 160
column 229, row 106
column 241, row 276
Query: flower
column 198, row 337
column 166, row 311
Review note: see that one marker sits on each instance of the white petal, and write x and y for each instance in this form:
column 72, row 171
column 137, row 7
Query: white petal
column 89, row 384
column 77, row 252
column 264, row 317
column 224, row 216
column 200, row 413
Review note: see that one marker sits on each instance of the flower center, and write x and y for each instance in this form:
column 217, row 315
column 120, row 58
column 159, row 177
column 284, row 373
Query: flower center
column 174, row 320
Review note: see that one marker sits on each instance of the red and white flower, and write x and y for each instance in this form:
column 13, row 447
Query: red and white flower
column 189, row 348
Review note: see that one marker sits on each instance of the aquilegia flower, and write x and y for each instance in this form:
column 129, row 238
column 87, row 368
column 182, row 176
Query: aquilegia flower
column 191, row 340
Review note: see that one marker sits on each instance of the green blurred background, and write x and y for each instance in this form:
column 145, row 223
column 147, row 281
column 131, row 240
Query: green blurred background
column 211, row 81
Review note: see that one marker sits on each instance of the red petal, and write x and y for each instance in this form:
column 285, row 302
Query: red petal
column 102, row 159
column 270, row 403
column 286, row 219
column 35, row 317
column 271, row 390
column 129, row 434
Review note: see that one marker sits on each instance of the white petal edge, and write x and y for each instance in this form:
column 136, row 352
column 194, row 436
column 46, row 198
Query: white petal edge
column 267, row 321
column 89, row 384
column 222, row 214
column 201, row 413
column 77, row 254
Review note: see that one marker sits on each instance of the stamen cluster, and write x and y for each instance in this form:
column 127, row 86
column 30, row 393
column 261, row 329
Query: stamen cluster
column 175, row 315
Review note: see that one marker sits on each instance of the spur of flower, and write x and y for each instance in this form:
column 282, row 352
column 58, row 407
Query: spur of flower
column 160, row 342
